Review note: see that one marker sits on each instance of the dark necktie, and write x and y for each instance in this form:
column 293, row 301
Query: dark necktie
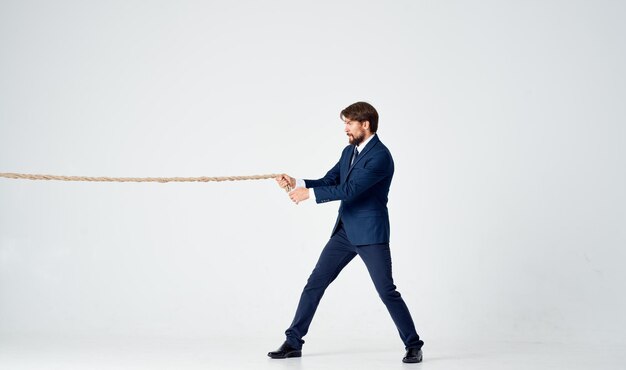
column 354, row 156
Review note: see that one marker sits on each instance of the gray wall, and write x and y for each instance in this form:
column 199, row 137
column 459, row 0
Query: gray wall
column 505, row 119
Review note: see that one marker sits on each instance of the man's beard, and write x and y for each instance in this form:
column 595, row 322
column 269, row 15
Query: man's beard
column 356, row 140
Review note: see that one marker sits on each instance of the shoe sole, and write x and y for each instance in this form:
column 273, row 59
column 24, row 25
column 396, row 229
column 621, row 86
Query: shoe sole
column 412, row 361
column 288, row 355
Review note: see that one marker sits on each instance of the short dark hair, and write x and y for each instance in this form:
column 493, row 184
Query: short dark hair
column 361, row 111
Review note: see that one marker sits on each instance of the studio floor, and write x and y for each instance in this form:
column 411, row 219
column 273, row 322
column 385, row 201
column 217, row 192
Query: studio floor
column 31, row 354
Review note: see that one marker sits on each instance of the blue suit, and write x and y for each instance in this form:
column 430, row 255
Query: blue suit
column 362, row 228
column 362, row 189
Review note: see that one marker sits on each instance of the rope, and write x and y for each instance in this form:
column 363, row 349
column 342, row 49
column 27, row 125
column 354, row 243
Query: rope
column 135, row 179
column 27, row 176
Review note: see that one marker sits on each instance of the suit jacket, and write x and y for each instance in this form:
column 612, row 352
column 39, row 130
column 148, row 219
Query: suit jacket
column 362, row 189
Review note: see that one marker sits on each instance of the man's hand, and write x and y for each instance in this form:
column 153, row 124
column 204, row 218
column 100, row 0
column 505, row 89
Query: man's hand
column 285, row 180
column 299, row 194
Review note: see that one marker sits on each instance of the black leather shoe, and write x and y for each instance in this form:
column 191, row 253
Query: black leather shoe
column 413, row 355
column 285, row 351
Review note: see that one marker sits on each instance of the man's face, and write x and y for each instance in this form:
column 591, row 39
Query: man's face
column 355, row 131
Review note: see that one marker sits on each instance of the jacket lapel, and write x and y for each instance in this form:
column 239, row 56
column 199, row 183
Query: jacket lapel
column 345, row 166
column 368, row 147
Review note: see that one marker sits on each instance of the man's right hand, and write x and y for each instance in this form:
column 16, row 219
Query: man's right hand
column 285, row 180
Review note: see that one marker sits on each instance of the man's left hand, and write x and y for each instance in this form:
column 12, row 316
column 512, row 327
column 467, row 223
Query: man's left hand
column 299, row 194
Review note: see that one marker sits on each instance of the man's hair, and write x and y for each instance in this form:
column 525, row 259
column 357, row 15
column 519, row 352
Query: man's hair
column 361, row 111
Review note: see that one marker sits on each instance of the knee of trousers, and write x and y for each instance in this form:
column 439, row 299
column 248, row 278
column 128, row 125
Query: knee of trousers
column 389, row 293
column 315, row 283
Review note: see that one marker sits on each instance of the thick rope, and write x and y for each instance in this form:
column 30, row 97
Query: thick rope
column 135, row 179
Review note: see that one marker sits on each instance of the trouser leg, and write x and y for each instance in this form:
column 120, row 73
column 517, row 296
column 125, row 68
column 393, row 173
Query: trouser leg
column 334, row 257
column 377, row 258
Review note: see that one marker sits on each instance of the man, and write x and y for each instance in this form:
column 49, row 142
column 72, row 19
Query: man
column 360, row 180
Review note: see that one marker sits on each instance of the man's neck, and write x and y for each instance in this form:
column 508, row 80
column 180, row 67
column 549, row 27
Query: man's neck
column 365, row 141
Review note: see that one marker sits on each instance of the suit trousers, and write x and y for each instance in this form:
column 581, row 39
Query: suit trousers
column 337, row 253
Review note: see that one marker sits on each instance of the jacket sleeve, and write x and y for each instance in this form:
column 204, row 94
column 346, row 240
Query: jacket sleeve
column 361, row 179
column 331, row 178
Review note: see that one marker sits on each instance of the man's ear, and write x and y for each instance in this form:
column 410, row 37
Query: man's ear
column 366, row 125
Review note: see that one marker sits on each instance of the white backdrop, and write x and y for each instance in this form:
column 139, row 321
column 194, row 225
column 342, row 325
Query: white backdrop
column 506, row 121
